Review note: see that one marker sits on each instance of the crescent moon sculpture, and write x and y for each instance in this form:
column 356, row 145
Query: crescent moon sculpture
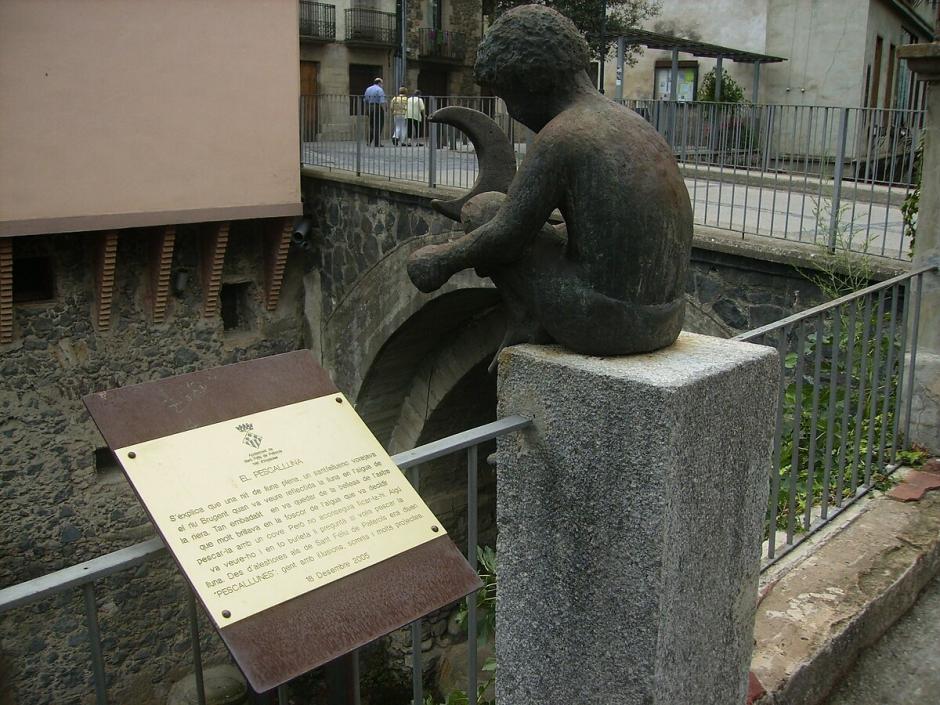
column 495, row 156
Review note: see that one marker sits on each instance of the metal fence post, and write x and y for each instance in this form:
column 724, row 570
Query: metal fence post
column 836, row 201
column 432, row 145
column 357, row 128
column 196, row 648
column 94, row 643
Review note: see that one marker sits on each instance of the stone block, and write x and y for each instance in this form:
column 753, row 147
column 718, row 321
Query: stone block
column 630, row 519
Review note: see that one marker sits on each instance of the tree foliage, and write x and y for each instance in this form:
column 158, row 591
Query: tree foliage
column 731, row 92
column 587, row 16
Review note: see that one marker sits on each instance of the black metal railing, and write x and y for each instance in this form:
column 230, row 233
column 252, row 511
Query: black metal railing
column 371, row 26
column 317, row 20
column 844, row 408
column 441, row 44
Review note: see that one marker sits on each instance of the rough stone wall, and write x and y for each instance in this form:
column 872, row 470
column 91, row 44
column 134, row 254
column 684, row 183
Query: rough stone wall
column 729, row 294
column 57, row 508
column 466, row 16
column 358, row 226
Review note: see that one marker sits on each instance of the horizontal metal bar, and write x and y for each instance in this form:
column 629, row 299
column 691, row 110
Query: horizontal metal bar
column 810, row 312
column 459, row 441
column 116, row 561
column 78, row 574
column 821, row 521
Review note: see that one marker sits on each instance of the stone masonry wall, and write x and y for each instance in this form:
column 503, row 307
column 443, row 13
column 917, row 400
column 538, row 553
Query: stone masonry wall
column 58, row 509
column 358, row 226
column 729, row 292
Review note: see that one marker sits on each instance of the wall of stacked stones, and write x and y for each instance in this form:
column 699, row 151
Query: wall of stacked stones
column 58, row 507
column 359, row 224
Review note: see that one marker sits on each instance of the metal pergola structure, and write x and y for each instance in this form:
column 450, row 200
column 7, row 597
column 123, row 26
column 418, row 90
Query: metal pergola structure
column 654, row 40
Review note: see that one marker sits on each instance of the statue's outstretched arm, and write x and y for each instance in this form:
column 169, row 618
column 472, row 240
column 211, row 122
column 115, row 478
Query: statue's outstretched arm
column 533, row 195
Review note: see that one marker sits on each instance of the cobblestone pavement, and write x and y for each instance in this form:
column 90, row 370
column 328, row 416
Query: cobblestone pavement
column 903, row 667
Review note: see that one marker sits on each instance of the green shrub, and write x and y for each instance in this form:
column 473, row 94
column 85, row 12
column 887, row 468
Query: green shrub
column 731, row 92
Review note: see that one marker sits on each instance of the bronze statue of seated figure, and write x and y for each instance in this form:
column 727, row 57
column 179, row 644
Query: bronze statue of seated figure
column 610, row 279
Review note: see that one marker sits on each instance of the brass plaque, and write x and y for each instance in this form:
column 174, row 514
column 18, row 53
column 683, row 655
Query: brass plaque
column 266, row 507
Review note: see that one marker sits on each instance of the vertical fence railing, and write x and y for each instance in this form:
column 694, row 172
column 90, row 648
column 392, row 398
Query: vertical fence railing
column 830, row 176
column 84, row 576
column 844, row 404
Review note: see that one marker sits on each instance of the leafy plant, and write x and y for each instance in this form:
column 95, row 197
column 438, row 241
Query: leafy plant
column 911, row 206
column 486, row 629
column 587, row 15
column 731, row 91
column 913, row 457
column 840, row 404
column 486, row 597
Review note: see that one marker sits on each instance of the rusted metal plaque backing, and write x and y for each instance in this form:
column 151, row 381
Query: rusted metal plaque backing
column 233, row 462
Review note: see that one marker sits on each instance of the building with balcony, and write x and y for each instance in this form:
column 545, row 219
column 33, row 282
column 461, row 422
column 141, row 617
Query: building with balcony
column 346, row 45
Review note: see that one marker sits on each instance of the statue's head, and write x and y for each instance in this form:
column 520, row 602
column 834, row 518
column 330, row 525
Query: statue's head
column 530, row 53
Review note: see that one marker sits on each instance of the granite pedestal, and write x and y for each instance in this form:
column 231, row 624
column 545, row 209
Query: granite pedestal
column 630, row 521
column 924, row 421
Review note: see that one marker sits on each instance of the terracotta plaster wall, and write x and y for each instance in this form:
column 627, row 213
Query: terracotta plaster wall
column 111, row 107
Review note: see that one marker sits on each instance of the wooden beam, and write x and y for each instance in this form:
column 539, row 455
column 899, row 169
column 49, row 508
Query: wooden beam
column 105, row 260
column 6, row 290
column 161, row 261
column 276, row 243
column 214, row 242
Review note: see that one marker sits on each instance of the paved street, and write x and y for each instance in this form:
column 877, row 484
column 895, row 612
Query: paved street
column 903, row 668
column 785, row 207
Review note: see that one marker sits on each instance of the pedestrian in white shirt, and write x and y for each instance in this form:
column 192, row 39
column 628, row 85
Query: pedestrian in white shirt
column 415, row 115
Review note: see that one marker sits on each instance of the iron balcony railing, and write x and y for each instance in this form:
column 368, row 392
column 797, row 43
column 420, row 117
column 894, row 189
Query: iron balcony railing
column 844, row 408
column 84, row 575
column 441, row 44
column 317, row 21
column 371, row 26
column 833, row 177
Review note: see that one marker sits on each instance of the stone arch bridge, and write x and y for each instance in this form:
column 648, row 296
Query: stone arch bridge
column 415, row 364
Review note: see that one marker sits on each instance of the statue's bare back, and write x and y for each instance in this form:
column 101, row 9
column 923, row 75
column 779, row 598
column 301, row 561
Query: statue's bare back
column 610, row 279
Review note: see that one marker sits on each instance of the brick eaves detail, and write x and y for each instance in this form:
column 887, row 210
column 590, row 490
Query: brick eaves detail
column 160, row 264
column 105, row 263
column 276, row 244
column 6, row 290
column 215, row 240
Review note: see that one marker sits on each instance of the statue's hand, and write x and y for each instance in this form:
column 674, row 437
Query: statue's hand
column 431, row 266
column 481, row 209
column 427, row 267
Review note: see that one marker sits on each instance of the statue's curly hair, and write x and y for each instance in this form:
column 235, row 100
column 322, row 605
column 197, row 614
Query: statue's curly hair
column 530, row 48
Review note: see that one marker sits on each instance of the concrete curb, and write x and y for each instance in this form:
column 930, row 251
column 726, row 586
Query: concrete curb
column 839, row 596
